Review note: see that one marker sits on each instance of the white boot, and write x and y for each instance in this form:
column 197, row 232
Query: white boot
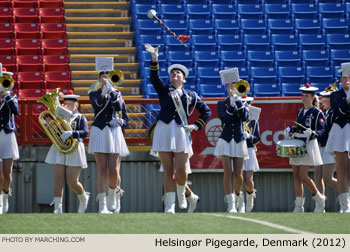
column 102, row 205
column 340, row 204
column 83, row 201
column 240, row 205
column 111, row 199
column 119, row 193
column 320, row 201
column 193, row 199
column 57, row 202
column 345, row 201
column 230, row 200
column 299, row 205
column 169, row 202
column 250, row 201
column 180, row 191
column 0, row 203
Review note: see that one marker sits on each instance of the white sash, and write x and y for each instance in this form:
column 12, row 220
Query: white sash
column 179, row 107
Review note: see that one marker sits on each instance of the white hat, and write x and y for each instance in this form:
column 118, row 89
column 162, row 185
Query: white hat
column 180, row 67
column 3, row 71
column 70, row 96
column 246, row 98
column 345, row 69
column 308, row 89
column 326, row 93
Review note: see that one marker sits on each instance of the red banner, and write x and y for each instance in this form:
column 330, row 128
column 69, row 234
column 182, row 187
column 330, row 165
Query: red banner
column 275, row 116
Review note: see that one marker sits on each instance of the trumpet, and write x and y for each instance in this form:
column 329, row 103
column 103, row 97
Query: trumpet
column 6, row 83
column 241, row 88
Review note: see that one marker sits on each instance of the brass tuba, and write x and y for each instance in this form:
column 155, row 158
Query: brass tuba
column 6, row 83
column 54, row 126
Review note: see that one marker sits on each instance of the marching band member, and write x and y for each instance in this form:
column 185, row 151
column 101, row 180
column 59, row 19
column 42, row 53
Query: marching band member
column 107, row 142
column 8, row 142
column 339, row 136
column 67, row 167
column 172, row 141
column 1, row 179
column 231, row 146
column 312, row 121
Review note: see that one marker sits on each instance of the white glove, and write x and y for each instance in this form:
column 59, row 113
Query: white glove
column 152, row 50
column 286, row 131
column 246, row 135
column 348, row 96
column 66, row 134
column 308, row 132
column 105, row 90
column 190, row 128
column 233, row 99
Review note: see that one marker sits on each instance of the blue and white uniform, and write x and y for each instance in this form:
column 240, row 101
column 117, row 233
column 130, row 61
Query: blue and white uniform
column 8, row 142
column 106, row 135
column 77, row 158
column 252, row 164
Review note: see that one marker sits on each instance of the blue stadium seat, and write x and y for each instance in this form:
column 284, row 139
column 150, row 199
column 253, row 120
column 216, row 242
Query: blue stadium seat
column 207, row 90
column 193, row 87
column 230, row 2
column 175, row 45
column 265, row 90
column 150, row 91
column 340, row 56
column 281, row 26
column 276, row 1
column 146, row 57
column 308, row 26
column 348, row 7
column 230, row 42
column 250, row 11
column 184, row 58
column 148, row 27
column 304, row 10
column 248, row 1
column 233, row 58
column 288, row 58
column 152, row 40
column 331, row 10
column 277, row 10
column 293, row 75
column 177, row 26
column 206, row 59
column 227, row 26
column 335, row 25
column 319, row 75
column 179, row 2
column 260, row 59
column 290, row 89
column 321, row 86
column 284, row 42
column 204, row 42
column 253, row 26
column 200, row 27
column 312, row 42
column 208, row 75
column 337, row 74
column 198, row 11
column 173, row 11
column 264, row 75
column 302, row 1
column 244, row 73
column 257, row 42
column 140, row 10
column 202, row 2
column 224, row 11
column 338, row 41
column 316, row 58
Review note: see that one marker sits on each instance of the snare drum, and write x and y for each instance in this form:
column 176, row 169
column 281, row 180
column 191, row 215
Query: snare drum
column 291, row 148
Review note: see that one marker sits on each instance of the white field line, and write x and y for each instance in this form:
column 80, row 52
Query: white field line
column 265, row 223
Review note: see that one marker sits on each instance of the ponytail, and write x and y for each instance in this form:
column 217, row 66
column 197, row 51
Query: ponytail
column 316, row 102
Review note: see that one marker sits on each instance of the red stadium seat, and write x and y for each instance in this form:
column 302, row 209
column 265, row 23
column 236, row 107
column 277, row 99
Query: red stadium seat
column 5, row 3
column 53, row 31
column 5, row 15
column 31, row 93
column 56, row 63
column 25, row 3
column 27, row 31
column 54, row 47
column 50, row 3
column 58, row 80
column 51, row 15
column 6, row 31
column 26, row 15
column 8, row 61
column 29, row 63
column 28, row 47
column 7, row 47
column 30, row 80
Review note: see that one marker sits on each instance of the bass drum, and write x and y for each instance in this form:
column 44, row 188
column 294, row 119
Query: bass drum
column 291, row 148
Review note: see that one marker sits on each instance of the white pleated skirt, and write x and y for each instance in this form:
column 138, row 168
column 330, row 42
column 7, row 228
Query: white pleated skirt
column 231, row 149
column 8, row 146
column 327, row 158
column 171, row 138
column 109, row 140
column 251, row 164
column 338, row 139
column 312, row 157
column 76, row 159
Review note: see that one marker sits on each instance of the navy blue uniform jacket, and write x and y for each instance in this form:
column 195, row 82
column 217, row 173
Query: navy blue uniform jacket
column 8, row 108
column 254, row 133
column 340, row 108
column 329, row 115
column 80, row 126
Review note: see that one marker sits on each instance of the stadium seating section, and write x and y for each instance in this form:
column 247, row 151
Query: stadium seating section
column 33, row 45
column 277, row 45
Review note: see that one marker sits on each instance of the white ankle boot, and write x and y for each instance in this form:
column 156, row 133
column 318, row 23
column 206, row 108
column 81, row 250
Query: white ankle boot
column 0, row 203
column 57, row 202
column 240, row 205
column 345, row 202
column 180, row 191
column 320, row 201
column 111, row 199
column 230, row 200
column 102, row 205
column 83, row 201
column 119, row 194
column 169, row 202
column 250, row 201
column 299, row 205
column 193, row 199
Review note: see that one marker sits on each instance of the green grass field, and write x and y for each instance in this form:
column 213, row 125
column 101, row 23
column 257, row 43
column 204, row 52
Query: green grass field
column 180, row 223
